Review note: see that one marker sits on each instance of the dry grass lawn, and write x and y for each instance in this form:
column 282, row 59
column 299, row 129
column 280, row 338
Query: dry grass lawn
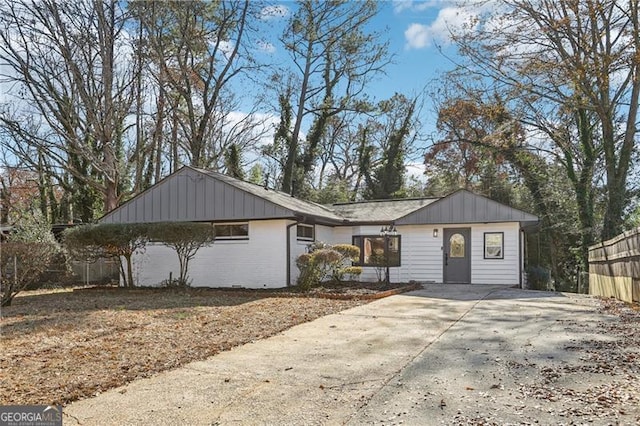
column 59, row 346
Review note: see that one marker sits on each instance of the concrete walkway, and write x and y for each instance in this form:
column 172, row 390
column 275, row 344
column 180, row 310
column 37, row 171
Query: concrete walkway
column 340, row 368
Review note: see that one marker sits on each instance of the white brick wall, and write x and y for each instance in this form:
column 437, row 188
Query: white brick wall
column 259, row 262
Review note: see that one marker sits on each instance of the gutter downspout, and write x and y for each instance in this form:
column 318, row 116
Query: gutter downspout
column 521, row 242
column 289, row 250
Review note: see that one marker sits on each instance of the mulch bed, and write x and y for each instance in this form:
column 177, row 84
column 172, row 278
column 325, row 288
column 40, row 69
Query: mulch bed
column 342, row 291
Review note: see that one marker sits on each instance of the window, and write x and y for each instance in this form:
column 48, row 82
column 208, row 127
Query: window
column 306, row 232
column 372, row 250
column 456, row 245
column 232, row 231
column 494, row 245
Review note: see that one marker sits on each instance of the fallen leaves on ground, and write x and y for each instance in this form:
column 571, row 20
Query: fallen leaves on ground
column 615, row 356
column 60, row 346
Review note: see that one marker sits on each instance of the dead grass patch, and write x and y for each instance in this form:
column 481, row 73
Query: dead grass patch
column 59, row 346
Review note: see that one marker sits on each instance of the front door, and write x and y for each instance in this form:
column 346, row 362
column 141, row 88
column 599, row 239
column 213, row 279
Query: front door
column 457, row 255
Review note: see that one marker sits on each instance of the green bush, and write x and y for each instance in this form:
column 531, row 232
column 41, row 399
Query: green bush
column 108, row 240
column 326, row 262
column 309, row 272
column 25, row 256
column 538, row 278
column 348, row 251
column 186, row 238
column 352, row 272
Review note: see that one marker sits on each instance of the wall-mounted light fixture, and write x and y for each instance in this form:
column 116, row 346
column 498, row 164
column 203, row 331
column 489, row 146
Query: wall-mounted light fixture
column 386, row 232
column 435, row 233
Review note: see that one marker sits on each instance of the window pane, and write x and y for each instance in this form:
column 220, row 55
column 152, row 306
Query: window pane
column 372, row 250
column 240, row 230
column 223, row 230
column 305, row 232
column 232, row 230
column 494, row 251
column 394, row 251
column 456, row 245
column 493, row 239
column 493, row 245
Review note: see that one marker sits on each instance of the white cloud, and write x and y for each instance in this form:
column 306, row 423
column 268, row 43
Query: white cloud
column 415, row 170
column 417, row 36
column 449, row 20
column 274, row 12
column 265, row 46
column 400, row 6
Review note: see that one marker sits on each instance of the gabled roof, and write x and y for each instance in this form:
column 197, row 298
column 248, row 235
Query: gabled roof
column 284, row 200
column 464, row 206
column 197, row 195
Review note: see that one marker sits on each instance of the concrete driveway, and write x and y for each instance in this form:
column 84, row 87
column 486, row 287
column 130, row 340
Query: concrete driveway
column 432, row 356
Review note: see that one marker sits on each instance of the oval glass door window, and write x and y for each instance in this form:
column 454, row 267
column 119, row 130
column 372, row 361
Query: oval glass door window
column 456, row 245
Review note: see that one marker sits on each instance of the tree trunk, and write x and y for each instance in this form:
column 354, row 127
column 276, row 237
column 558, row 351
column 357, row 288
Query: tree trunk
column 290, row 164
column 129, row 281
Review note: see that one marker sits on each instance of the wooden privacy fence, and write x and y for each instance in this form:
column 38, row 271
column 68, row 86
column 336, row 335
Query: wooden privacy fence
column 614, row 267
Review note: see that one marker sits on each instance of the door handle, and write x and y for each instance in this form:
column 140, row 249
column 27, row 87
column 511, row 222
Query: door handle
column 446, row 259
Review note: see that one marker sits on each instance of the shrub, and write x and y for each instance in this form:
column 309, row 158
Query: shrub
column 25, row 256
column 348, row 251
column 303, row 260
column 539, row 278
column 108, row 240
column 309, row 272
column 325, row 261
column 352, row 272
column 186, row 238
column 378, row 259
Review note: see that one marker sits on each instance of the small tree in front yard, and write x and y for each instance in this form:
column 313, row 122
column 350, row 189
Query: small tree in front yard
column 25, row 255
column 186, row 238
column 349, row 253
column 108, row 240
column 325, row 261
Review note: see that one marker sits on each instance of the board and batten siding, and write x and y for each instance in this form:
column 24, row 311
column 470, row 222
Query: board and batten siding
column 259, row 262
column 188, row 195
column 465, row 207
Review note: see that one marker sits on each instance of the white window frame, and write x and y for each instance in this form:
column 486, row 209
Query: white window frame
column 500, row 254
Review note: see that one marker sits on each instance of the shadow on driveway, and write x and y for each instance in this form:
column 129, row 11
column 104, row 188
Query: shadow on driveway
column 468, row 292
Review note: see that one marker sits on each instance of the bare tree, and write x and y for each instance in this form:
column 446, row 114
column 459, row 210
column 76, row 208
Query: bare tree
column 197, row 50
column 334, row 59
column 71, row 69
column 563, row 61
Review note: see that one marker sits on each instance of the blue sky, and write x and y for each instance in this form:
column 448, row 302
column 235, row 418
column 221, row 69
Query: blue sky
column 414, row 29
